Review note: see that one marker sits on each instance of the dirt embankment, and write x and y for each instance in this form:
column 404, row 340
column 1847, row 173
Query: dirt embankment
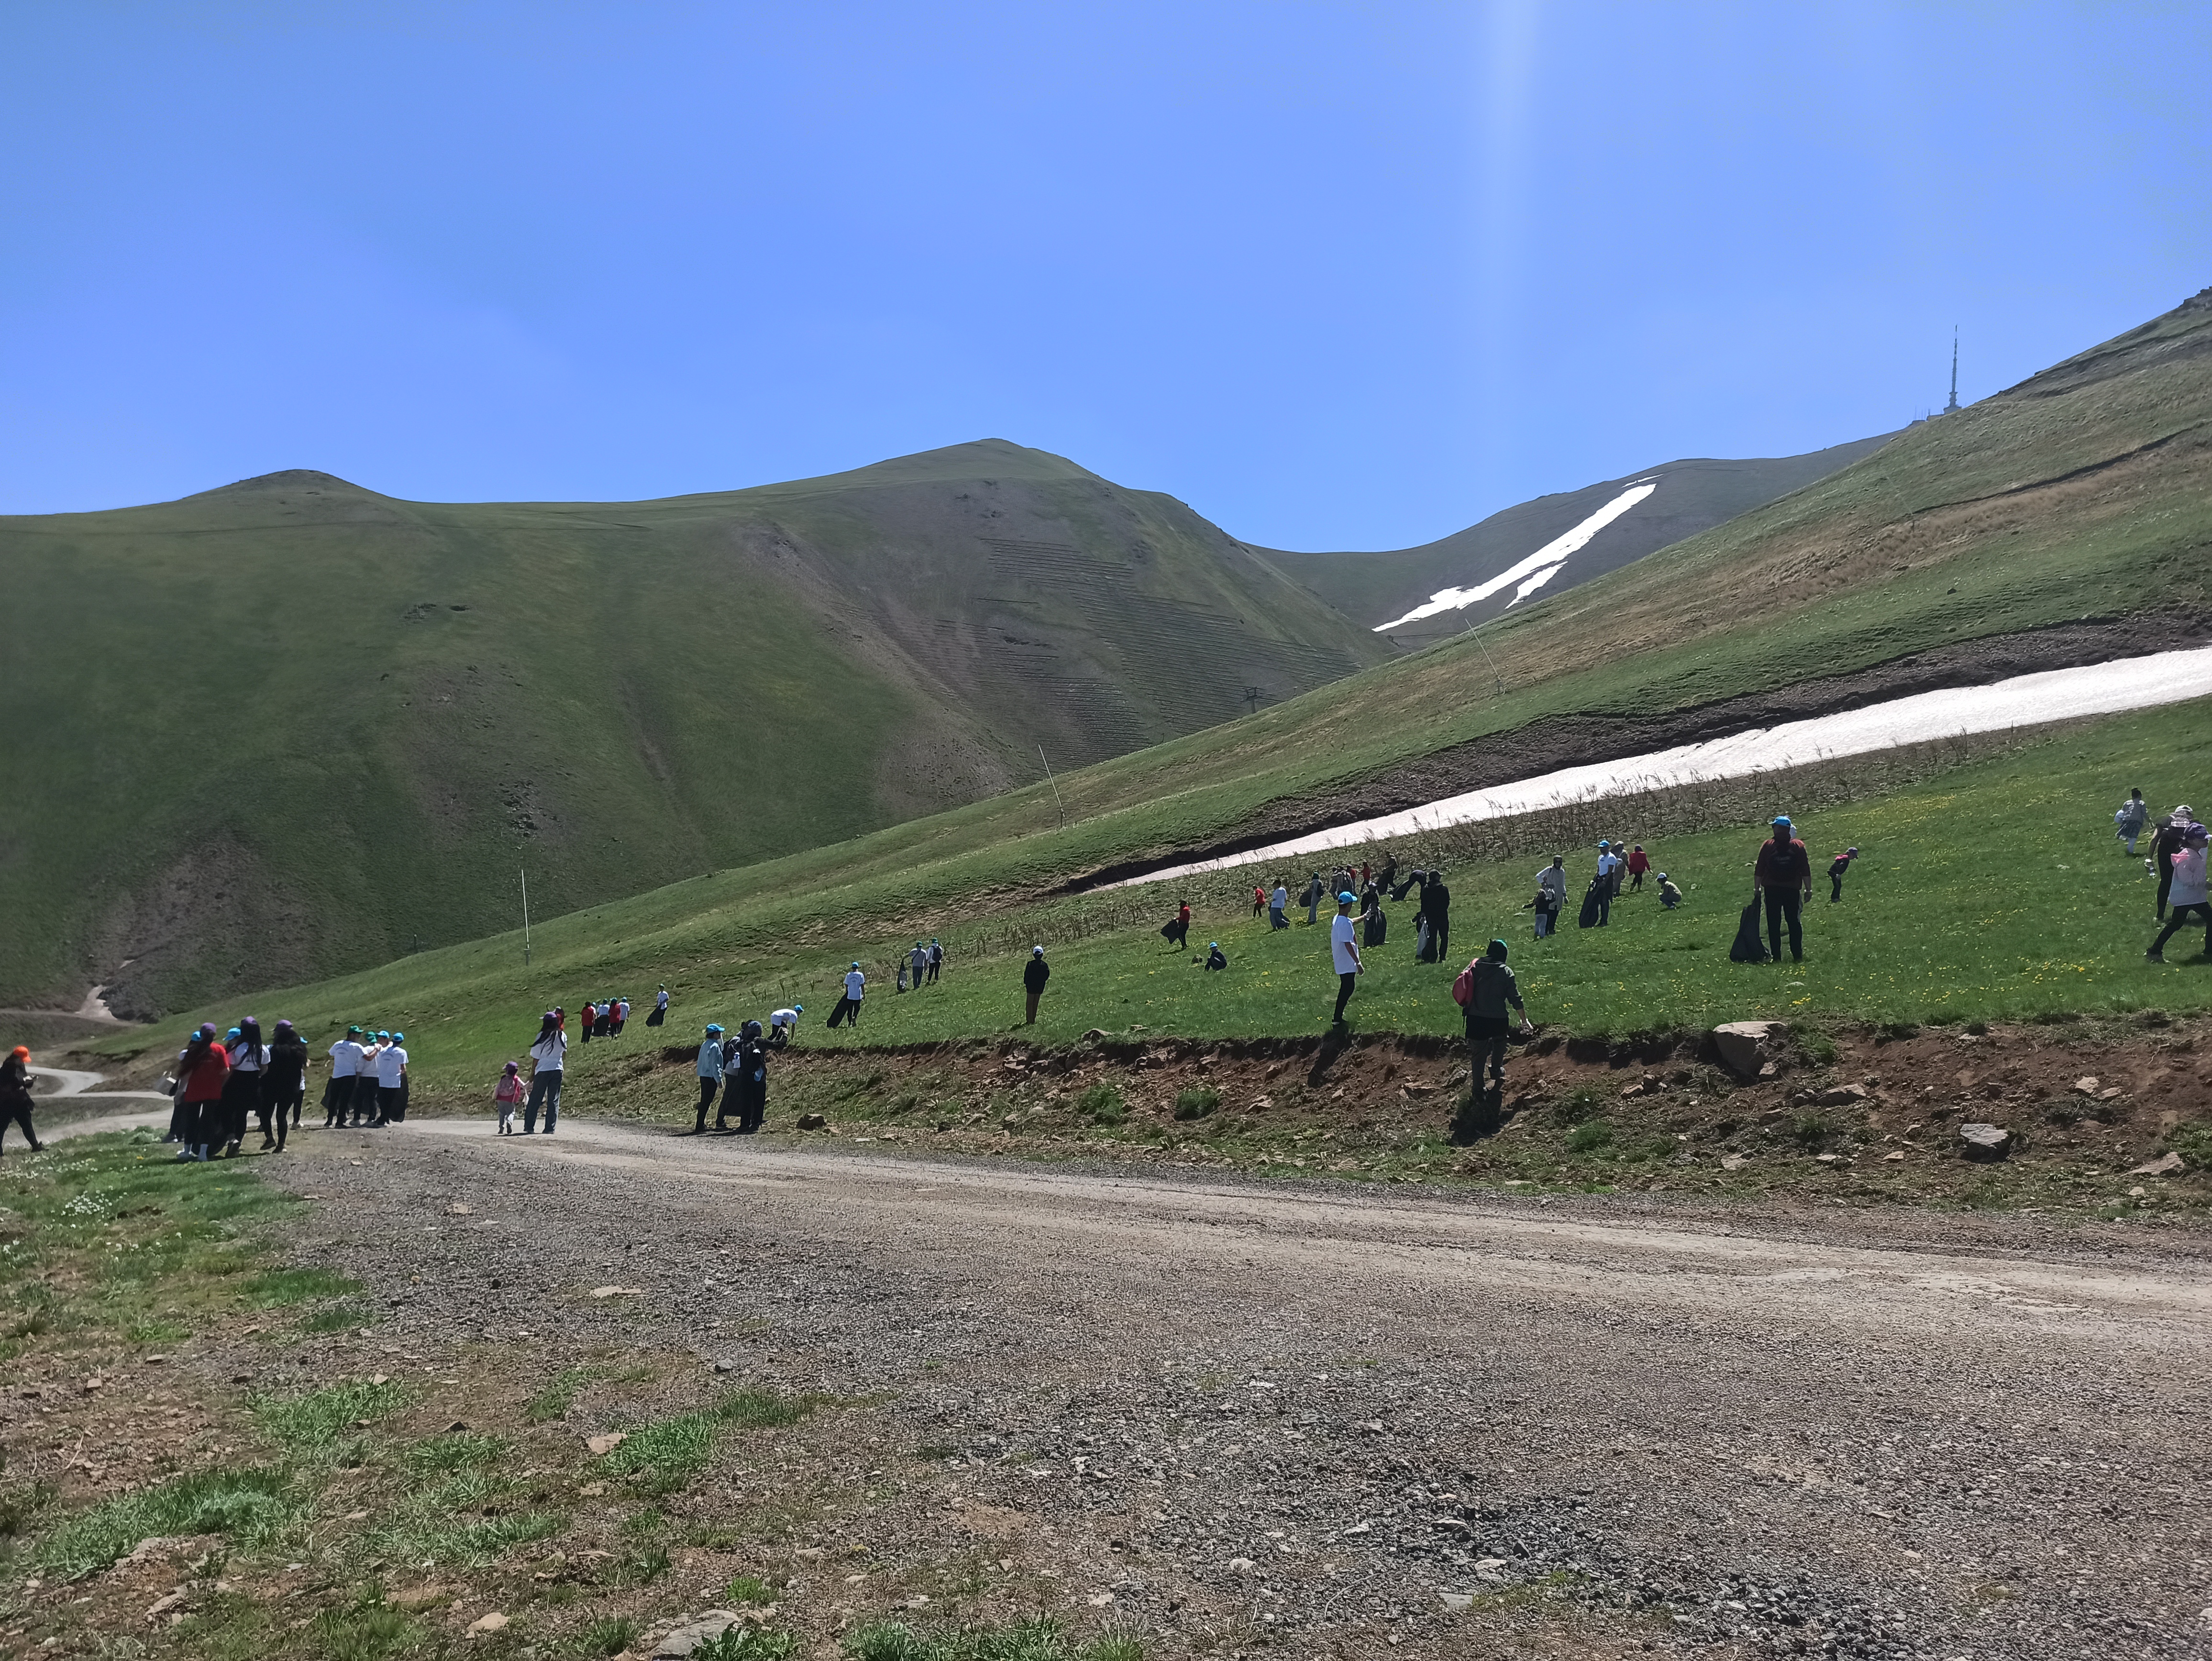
column 1554, row 742
column 1869, row 1116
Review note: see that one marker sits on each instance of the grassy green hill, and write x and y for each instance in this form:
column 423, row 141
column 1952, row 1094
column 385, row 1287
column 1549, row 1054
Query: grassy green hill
column 1689, row 496
column 291, row 728
column 2082, row 492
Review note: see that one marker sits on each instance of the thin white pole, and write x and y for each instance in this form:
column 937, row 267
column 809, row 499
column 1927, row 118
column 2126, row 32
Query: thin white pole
column 524, row 875
column 1057, row 803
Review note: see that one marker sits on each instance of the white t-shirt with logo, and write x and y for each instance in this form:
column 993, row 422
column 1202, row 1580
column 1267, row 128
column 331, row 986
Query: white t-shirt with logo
column 390, row 1061
column 783, row 1018
column 1340, row 944
column 855, row 983
column 345, row 1059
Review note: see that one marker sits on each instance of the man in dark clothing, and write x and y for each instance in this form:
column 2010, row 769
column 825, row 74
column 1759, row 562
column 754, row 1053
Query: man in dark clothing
column 744, row 1081
column 15, row 1096
column 1491, row 989
column 1436, row 899
column 1784, row 875
column 1035, row 973
column 2173, row 831
column 285, row 1087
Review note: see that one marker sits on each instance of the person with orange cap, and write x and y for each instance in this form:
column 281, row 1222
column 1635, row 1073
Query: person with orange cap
column 15, row 1096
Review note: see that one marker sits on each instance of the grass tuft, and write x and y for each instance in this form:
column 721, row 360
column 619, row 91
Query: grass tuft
column 1198, row 1102
column 308, row 1424
column 253, row 1507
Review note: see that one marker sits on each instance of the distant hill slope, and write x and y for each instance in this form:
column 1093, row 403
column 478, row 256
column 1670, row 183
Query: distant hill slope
column 2067, row 519
column 291, row 727
column 1549, row 544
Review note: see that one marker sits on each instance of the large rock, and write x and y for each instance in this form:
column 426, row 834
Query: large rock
column 2166, row 1165
column 1985, row 1141
column 687, row 1637
column 1745, row 1046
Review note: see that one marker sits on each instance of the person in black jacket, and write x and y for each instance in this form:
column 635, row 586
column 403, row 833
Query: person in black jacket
column 745, row 1079
column 1783, row 876
column 1035, row 973
column 15, row 1096
column 285, row 1087
column 1436, row 901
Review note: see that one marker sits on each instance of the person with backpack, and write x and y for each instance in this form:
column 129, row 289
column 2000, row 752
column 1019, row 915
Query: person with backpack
column 710, row 1075
column 1035, row 973
column 549, row 1056
column 202, row 1073
column 936, row 959
column 1837, row 868
column 2188, row 892
column 2134, row 814
column 15, row 1096
column 1783, row 876
column 1344, row 952
column 1484, row 989
column 507, row 1095
column 2172, row 833
column 1638, row 863
column 285, row 1088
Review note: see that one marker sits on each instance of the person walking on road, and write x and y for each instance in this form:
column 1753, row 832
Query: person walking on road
column 507, row 1096
column 549, row 1055
column 2172, row 833
column 1784, row 875
column 2134, row 814
column 710, row 1075
column 391, row 1081
column 15, row 1097
column 242, row 1092
column 1344, row 952
column 202, row 1073
column 1035, row 973
column 1490, row 987
column 2188, row 892
column 337, row 1090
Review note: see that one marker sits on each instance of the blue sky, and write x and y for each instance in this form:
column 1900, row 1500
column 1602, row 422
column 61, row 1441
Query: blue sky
column 1338, row 275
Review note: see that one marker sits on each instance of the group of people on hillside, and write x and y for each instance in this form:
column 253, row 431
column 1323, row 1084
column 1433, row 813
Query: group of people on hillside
column 220, row 1083
column 605, row 1018
column 920, row 967
column 2177, row 858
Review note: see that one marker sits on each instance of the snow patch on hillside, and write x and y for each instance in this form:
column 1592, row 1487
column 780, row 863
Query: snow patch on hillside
column 1534, row 572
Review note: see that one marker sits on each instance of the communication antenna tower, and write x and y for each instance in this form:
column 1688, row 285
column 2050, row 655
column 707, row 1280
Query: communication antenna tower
column 1952, row 408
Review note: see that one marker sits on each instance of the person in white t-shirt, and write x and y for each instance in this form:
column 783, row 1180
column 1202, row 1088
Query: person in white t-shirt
column 345, row 1067
column 1279, row 902
column 391, row 1082
column 783, row 1025
column 1344, row 949
column 848, row 1006
column 549, row 1055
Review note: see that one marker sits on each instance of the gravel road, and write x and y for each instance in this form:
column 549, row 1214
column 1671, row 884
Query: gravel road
column 1318, row 1419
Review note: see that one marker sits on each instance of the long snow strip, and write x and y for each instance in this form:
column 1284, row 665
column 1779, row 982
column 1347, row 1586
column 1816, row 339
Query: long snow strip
column 1532, row 573
column 2096, row 689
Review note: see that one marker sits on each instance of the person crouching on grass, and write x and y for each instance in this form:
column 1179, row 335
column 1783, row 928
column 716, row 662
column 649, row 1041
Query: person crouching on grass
column 1344, row 951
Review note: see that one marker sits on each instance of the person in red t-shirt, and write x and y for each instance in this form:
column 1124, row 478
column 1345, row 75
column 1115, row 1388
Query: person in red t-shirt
column 1784, row 875
column 202, row 1072
column 1638, row 863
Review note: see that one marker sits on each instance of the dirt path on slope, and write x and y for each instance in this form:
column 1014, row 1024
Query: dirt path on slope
column 1318, row 1419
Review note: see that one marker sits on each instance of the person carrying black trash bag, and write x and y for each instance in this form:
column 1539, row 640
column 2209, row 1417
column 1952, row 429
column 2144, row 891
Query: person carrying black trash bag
column 1374, row 922
column 15, row 1096
column 1035, row 973
column 1484, row 989
column 747, row 1080
column 1595, row 900
column 660, row 1008
column 710, row 1075
column 1783, row 877
column 1176, row 930
column 848, row 1007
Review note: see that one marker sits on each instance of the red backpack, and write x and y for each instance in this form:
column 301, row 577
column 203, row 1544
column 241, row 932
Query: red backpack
column 1463, row 988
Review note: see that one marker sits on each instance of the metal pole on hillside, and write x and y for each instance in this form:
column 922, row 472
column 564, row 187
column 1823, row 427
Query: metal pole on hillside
column 1475, row 630
column 524, row 875
column 1061, row 806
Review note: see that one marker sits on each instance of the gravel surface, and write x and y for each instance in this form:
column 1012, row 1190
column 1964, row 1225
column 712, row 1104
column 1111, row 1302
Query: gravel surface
column 1314, row 1419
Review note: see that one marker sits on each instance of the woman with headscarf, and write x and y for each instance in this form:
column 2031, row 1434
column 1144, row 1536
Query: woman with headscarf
column 202, row 1072
column 285, row 1087
column 15, row 1097
column 548, row 1054
column 242, row 1090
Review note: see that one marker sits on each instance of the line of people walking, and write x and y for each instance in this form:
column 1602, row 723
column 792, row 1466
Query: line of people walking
column 220, row 1083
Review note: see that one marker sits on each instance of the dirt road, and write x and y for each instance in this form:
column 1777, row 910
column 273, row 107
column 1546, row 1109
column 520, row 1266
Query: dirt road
column 1334, row 1417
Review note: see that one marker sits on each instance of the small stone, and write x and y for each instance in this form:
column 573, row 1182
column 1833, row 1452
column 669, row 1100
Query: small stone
column 1457, row 1602
column 1735, row 1161
column 592, row 1490
column 1827, row 1159
column 163, row 1605
column 618, row 1291
column 2085, row 1086
column 1099, row 1600
column 457, row 1427
column 458, row 1210
column 1745, row 1046
column 382, row 1379
column 2166, row 1165
column 1241, row 1566
column 2111, row 1094
column 812, row 1121
column 1985, row 1141
column 1897, row 1155
column 416, row 1597
column 1842, row 1095
column 602, row 1446
column 493, row 1621
column 1490, row 1568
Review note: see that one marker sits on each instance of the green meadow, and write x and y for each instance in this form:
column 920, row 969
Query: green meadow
column 1994, row 891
